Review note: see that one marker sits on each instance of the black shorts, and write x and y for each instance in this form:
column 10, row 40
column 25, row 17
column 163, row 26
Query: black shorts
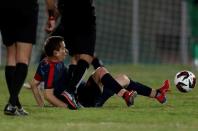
column 19, row 25
column 78, row 40
column 88, row 93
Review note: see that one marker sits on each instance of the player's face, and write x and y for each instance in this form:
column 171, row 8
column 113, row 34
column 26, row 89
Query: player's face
column 62, row 52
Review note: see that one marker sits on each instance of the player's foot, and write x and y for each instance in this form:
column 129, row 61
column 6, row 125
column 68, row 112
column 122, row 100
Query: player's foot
column 79, row 105
column 70, row 100
column 129, row 97
column 11, row 110
column 161, row 92
column 27, row 85
column 22, row 111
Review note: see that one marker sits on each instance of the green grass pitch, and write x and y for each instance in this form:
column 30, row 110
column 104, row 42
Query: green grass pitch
column 180, row 113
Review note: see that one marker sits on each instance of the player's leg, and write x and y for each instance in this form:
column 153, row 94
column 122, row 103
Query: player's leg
column 131, row 85
column 73, row 64
column 23, row 54
column 10, row 68
column 25, row 38
column 92, row 94
column 15, row 73
column 8, row 35
column 81, row 45
column 103, row 76
column 79, row 71
column 87, row 93
column 159, row 94
column 105, row 95
column 24, row 29
column 96, row 62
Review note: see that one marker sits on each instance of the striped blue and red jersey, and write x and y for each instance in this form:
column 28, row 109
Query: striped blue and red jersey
column 53, row 74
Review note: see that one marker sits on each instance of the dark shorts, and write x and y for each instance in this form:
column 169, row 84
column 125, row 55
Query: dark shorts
column 78, row 41
column 88, row 93
column 19, row 25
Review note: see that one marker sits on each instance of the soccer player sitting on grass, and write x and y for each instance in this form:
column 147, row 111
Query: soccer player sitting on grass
column 95, row 92
column 55, row 76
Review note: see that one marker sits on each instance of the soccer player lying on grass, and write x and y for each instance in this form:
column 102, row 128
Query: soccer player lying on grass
column 55, row 76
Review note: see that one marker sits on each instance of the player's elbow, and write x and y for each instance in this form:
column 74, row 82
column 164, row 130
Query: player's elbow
column 33, row 84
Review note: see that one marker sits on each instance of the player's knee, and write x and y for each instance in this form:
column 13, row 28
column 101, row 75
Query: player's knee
column 86, row 57
column 75, row 59
column 101, row 71
column 123, row 80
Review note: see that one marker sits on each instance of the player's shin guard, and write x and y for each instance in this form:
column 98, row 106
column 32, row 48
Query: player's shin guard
column 140, row 88
column 109, row 82
column 106, row 94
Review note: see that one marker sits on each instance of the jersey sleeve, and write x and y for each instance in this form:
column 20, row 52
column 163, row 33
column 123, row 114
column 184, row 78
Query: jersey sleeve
column 38, row 75
column 45, row 73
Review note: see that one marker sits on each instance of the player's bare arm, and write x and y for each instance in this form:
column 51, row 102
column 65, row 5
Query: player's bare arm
column 34, row 86
column 49, row 96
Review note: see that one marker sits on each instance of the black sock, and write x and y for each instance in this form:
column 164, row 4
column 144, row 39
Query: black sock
column 9, row 75
column 106, row 94
column 20, row 75
column 18, row 104
column 97, row 63
column 140, row 88
column 78, row 73
column 109, row 82
column 71, row 69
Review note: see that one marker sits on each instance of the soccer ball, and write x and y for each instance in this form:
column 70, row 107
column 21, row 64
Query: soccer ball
column 185, row 81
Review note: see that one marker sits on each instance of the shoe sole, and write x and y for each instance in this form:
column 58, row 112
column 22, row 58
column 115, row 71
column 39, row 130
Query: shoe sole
column 132, row 99
column 11, row 114
column 65, row 94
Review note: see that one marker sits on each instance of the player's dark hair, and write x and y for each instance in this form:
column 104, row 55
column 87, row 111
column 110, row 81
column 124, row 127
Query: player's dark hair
column 52, row 43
